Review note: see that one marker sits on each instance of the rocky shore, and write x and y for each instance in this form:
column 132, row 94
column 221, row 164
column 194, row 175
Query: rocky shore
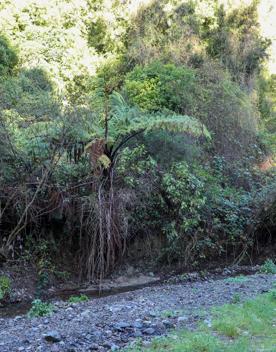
column 113, row 322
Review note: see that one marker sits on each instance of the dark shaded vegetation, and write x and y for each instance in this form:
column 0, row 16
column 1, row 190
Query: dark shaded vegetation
column 154, row 124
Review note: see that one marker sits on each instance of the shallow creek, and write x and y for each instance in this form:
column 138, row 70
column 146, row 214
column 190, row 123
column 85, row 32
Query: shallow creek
column 16, row 309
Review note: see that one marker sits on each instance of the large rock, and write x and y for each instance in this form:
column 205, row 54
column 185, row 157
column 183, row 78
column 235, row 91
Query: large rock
column 52, row 336
column 149, row 331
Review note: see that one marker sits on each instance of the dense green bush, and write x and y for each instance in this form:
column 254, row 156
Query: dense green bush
column 8, row 57
column 225, row 36
column 78, row 299
column 206, row 93
column 200, row 210
column 158, row 86
column 5, row 287
column 203, row 210
column 269, row 267
column 40, row 309
column 208, row 213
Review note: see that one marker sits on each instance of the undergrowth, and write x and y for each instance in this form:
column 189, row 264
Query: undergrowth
column 78, row 299
column 5, row 287
column 269, row 267
column 40, row 309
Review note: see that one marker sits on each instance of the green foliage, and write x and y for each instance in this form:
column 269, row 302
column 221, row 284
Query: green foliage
column 41, row 254
column 210, row 205
column 159, row 86
column 214, row 32
column 192, row 198
column 206, row 93
column 273, row 295
column 269, row 267
column 8, row 57
column 134, row 165
column 125, row 121
column 40, row 309
column 43, row 33
column 97, row 36
column 5, row 287
column 266, row 104
column 184, row 195
column 225, row 35
column 78, row 299
column 62, row 275
column 228, row 113
column 170, row 313
column 233, row 320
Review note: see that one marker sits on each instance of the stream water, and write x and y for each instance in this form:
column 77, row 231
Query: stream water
column 13, row 310
column 16, row 309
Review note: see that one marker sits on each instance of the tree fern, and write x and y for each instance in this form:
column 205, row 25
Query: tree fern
column 126, row 122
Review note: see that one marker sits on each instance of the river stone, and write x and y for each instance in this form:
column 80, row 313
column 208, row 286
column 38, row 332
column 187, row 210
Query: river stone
column 147, row 323
column 121, row 325
column 107, row 345
column 182, row 319
column 137, row 333
column 86, row 313
column 55, row 348
column 167, row 324
column 52, row 336
column 137, row 325
column 149, row 331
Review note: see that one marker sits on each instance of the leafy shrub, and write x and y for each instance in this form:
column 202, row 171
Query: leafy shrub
column 184, row 195
column 196, row 198
column 188, row 204
column 78, row 299
column 158, row 86
column 225, row 36
column 40, row 309
column 206, row 93
column 269, row 267
column 98, row 36
column 8, row 56
column 5, row 287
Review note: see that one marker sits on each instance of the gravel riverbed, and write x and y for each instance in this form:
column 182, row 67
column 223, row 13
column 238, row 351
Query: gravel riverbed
column 110, row 323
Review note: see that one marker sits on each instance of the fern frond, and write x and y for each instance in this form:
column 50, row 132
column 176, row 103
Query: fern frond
column 173, row 123
column 126, row 121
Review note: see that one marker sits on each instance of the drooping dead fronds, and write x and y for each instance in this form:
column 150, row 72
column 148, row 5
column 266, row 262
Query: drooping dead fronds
column 103, row 230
